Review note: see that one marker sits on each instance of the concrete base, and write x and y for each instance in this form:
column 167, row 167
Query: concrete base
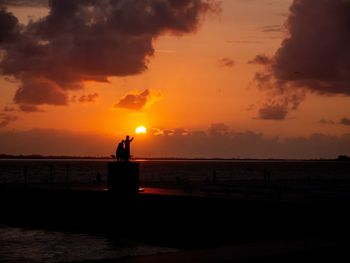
column 123, row 178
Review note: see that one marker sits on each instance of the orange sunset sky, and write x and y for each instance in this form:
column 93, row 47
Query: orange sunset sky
column 230, row 78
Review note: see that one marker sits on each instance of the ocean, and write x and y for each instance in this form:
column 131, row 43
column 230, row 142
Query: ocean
column 166, row 171
column 22, row 245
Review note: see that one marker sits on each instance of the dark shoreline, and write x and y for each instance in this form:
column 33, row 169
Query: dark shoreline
column 333, row 253
column 50, row 157
column 200, row 225
column 179, row 221
column 204, row 228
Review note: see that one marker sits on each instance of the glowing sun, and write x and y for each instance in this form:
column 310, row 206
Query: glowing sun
column 141, row 130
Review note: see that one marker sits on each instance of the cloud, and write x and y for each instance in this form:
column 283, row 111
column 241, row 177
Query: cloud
column 9, row 28
column 134, row 101
column 218, row 129
column 315, row 56
column 272, row 28
column 345, row 121
column 226, row 62
column 246, row 144
column 6, row 119
column 29, row 108
column 25, row 3
column 325, row 121
column 88, row 98
column 274, row 111
column 89, row 40
column 9, row 109
column 38, row 91
column 260, row 59
column 156, row 131
column 244, row 42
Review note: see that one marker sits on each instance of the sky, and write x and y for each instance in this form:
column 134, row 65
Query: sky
column 207, row 78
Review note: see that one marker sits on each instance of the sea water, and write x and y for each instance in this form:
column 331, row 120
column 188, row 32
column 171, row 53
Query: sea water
column 21, row 245
column 85, row 171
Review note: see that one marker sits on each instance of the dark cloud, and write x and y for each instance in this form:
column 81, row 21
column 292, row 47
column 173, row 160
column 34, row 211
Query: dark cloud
column 134, row 102
column 345, row 121
column 226, row 62
column 279, row 104
column 6, row 119
column 88, row 98
column 29, row 108
column 260, row 59
column 273, row 111
column 25, row 3
column 11, row 80
column 325, row 121
column 37, row 91
column 262, row 80
column 9, row 109
column 243, row 42
column 89, row 40
column 272, row 28
column 315, row 56
column 9, row 28
column 218, row 129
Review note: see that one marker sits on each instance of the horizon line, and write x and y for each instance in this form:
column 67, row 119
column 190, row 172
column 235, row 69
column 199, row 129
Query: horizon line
column 39, row 156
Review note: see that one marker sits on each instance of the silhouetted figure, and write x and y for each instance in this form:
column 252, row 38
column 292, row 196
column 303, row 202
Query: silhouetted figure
column 264, row 172
column 25, row 174
column 183, row 183
column 51, row 176
column 98, row 179
column 188, row 186
column 178, row 182
column 214, row 177
column 127, row 147
column 67, row 176
column 267, row 175
column 120, row 152
column 308, row 179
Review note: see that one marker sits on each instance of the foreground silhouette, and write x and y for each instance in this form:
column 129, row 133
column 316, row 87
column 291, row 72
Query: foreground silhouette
column 120, row 151
column 123, row 150
column 127, row 147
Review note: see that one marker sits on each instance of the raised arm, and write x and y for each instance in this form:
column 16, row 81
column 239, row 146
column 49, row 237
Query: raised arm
column 131, row 139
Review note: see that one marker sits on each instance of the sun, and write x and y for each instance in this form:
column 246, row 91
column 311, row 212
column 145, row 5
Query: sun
column 141, row 130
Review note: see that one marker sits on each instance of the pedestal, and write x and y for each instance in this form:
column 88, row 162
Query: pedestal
column 123, row 179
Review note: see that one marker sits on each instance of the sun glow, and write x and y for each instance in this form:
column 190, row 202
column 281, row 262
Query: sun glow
column 141, row 130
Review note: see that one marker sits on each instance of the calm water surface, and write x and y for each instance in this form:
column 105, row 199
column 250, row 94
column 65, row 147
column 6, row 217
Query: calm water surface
column 20, row 245
column 84, row 171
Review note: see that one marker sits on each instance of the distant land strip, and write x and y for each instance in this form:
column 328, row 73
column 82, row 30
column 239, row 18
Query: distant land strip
column 38, row 156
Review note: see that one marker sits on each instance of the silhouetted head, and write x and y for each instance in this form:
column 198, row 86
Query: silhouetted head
column 127, row 137
column 123, row 141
